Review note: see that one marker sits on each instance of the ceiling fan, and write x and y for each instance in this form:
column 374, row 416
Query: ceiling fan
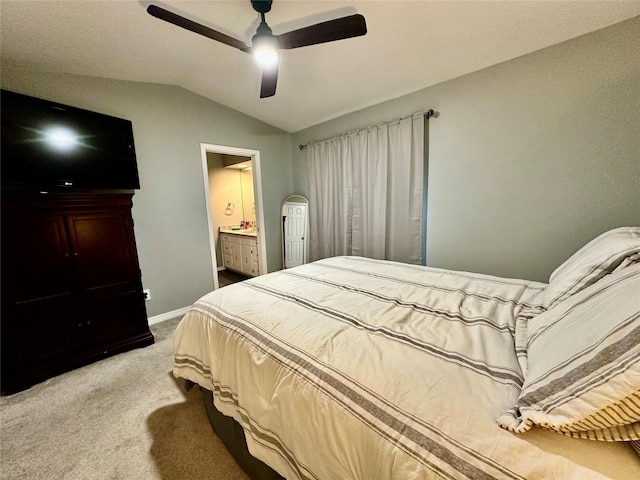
column 265, row 45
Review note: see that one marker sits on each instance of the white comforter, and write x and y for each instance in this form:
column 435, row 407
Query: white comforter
column 350, row 368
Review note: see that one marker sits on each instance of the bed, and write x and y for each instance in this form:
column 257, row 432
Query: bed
column 353, row 368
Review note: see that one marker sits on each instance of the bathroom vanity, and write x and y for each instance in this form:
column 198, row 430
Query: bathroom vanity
column 240, row 251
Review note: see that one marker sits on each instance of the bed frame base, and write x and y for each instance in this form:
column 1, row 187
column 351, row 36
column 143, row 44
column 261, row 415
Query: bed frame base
column 232, row 435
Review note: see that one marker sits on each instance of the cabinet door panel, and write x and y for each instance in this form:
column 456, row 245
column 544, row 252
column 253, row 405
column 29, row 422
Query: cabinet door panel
column 101, row 250
column 247, row 260
column 236, row 253
column 226, row 245
column 36, row 261
column 110, row 319
column 41, row 331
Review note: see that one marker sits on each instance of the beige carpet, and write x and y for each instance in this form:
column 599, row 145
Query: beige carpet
column 125, row 417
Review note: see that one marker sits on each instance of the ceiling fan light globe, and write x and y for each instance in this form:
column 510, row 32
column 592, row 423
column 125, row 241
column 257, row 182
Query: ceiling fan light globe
column 265, row 50
column 266, row 57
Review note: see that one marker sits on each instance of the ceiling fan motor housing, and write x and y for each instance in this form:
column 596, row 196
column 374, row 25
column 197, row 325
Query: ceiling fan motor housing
column 263, row 30
column 261, row 6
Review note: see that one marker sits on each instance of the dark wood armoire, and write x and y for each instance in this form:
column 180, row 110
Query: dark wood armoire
column 71, row 284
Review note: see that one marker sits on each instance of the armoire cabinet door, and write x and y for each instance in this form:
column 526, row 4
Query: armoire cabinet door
column 101, row 251
column 37, row 289
column 115, row 318
column 36, row 259
column 108, row 275
column 40, row 335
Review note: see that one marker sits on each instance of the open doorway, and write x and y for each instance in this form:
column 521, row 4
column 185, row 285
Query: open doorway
column 231, row 205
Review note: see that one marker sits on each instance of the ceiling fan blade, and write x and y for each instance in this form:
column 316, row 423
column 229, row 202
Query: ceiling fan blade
column 192, row 26
column 269, row 81
column 338, row 29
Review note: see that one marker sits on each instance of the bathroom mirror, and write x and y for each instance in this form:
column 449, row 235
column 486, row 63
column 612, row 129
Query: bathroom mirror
column 295, row 226
column 248, row 199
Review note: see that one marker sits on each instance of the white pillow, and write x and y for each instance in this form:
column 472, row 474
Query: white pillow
column 583, row 376
column 609, row 252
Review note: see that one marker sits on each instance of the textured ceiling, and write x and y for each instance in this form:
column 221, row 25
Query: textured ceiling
column 409, row 45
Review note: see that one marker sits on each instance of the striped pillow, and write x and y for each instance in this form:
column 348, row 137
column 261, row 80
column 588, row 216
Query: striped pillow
column 609, row 252
column 583, row 377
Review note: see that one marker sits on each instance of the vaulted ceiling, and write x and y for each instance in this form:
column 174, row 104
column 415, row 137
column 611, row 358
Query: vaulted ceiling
column 409, row 45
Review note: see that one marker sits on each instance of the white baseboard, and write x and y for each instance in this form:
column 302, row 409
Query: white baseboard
column 168, row 315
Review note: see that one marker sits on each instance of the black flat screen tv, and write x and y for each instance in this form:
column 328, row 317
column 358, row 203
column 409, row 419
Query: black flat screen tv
column 47, row 145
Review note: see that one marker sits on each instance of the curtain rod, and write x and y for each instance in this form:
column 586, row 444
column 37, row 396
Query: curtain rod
column 428, row 114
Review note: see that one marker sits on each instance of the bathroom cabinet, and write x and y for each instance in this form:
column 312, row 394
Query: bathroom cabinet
column 240, row 253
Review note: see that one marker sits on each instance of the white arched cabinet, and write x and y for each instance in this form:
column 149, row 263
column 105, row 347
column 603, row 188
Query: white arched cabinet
column 295, row 226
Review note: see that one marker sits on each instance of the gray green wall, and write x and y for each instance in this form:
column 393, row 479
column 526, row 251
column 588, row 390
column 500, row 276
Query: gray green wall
column 169, row 212
column 528, row 159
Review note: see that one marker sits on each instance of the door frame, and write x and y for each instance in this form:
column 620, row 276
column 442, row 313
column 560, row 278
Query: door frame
column 257, row 192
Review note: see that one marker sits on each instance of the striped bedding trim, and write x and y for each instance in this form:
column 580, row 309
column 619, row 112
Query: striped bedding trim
column 442, row 288
column 530, row 285
column 494, row 372
column 611, row 251
column 267, row 438
column 225, row 394
column 584, row 359
column 556, row 392
column 408, row 433
column 423, row 307
column 590, row 295
column 597, row 272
